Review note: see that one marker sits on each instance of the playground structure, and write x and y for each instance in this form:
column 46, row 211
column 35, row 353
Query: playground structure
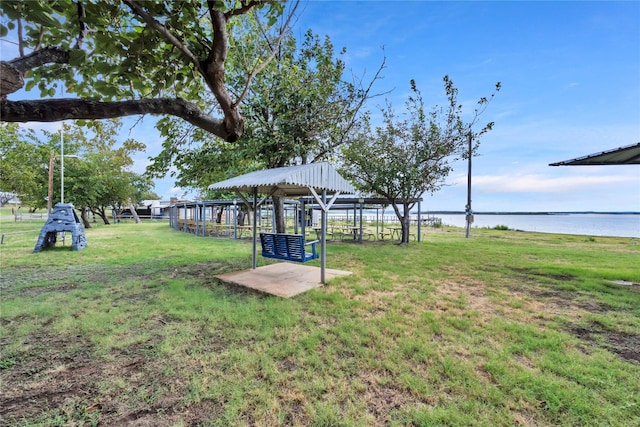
column 63, row 219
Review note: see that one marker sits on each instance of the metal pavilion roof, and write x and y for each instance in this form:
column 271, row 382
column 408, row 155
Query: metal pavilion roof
column 629, row 155
column 290, row 181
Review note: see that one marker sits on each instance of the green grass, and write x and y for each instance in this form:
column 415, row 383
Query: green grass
column 505, row 328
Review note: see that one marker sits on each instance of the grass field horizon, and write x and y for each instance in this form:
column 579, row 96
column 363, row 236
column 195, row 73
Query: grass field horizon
column 506, row 328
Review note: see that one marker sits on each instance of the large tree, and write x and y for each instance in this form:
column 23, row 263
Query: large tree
column 300, row 109
column 407, row 156
column 131, row 57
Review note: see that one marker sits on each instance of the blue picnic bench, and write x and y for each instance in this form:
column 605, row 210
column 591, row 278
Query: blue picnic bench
column 287, row 247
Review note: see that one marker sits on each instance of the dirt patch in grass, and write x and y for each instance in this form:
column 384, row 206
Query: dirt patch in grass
column 625, row 345
column 384, row 396
column 45, row 374
column 49, row 381
column 29, row 282
column 54, row 379
column 539, row 287
column 573, row 305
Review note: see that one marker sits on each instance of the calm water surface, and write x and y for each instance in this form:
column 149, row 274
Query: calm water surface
column 621, row 225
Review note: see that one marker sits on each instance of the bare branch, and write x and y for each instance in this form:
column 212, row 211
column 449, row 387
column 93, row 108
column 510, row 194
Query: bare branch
column 40, row 38
column 84, row 28
column 20, row 38
column 274, row 49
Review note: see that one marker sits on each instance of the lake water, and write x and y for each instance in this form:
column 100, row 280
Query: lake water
column 618, row 225
column 621, row 225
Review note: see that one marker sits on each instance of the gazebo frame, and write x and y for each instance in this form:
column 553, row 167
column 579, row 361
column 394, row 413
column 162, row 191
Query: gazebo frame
column 319, row 179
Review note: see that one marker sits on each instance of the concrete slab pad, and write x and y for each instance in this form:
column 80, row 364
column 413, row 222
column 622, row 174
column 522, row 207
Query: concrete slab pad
column 283, row 279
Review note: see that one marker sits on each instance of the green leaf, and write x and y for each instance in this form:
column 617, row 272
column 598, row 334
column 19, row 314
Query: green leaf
column 42, row 17
column 77, row 57
column 3, row 31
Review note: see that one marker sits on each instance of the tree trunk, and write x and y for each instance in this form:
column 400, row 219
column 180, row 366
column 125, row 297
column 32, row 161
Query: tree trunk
column 85, row 218
column 102, row 214
column 136, row 218
column 278, row 205
column 219, row 213
column 405, row 221
column 241, row 216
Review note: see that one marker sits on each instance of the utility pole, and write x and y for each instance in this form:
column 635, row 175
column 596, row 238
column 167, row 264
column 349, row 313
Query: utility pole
column 61, row 165
column 469, row 214
column 50, row 188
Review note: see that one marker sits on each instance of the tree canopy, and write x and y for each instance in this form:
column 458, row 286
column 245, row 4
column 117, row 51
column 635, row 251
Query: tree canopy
column 22, row 157
column 133, row 57
column 299, row 109
column 97, row 174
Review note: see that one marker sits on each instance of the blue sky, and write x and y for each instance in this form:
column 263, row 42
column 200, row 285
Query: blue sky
column 570, row 74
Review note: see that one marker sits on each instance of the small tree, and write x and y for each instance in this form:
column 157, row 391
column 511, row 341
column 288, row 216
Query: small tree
column 404, row 158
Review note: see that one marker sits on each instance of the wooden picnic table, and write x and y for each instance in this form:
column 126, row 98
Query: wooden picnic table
column 396, row 232
column 350, row 230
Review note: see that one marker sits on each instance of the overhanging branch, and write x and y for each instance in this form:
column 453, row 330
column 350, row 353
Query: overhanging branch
column 53, row 110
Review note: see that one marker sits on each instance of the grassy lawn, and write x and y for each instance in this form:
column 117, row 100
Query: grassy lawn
column 506, row 328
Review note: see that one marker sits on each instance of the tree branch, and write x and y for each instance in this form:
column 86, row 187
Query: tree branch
column 246, row 6
column 83, row 28
column 153, row 23
column 53, row 110
column 12, row 72
column 40, row 57
column 261, row 67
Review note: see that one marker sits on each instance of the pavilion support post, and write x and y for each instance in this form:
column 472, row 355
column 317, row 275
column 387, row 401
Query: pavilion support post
column 235, row 219
column 203, row 212
column 360, row 202
column 302, row 218
column 323, row 248
column 419, row 221
column 255, row 228
column 184, row 227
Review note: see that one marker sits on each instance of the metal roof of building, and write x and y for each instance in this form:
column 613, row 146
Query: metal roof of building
column 629, row 155
column 290, row 181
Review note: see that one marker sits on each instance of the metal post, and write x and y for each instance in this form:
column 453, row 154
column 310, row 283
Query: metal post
column 469, row 215
column 361, row 202
column 419, row 221
column 303, row 219
column 323, row 248
column 255, row 227
column 50, row 188
column 235, row 219
column 61, row 165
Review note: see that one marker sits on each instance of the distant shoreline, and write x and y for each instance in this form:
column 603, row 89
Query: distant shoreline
column 528, row 213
